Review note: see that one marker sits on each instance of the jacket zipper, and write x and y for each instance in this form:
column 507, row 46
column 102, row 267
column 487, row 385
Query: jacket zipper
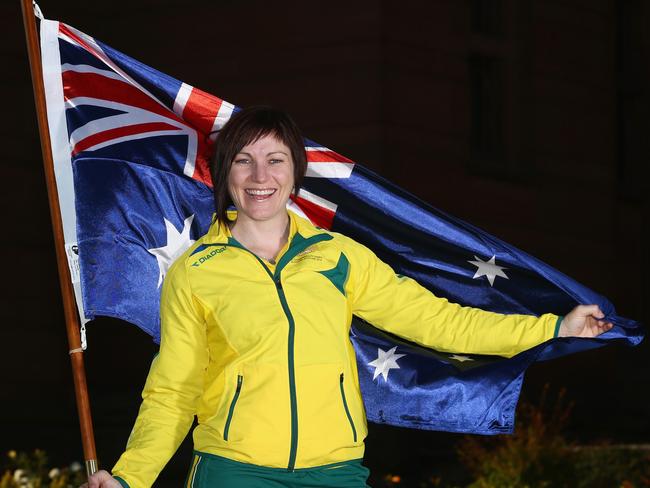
column 347, row 410
column 231, row 410
column 292, row 376
column 286, row 258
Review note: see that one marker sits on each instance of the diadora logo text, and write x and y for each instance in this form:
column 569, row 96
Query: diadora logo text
column 209, row 255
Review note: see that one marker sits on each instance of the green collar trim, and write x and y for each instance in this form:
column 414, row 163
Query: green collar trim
column 297, row 245
column 235, row 243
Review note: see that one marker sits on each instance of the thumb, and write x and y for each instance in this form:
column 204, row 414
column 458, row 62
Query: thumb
column 96, row 480
column 590, row 310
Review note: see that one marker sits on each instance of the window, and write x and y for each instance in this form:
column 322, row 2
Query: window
column 500, row 112
column 486, row 105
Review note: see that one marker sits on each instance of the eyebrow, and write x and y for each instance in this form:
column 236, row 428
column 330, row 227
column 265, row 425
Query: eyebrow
column 268, row 154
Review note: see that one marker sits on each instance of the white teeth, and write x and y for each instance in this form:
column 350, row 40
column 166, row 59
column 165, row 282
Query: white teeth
column 260, row 192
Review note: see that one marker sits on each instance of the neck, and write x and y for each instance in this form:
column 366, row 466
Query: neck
column 263, row 238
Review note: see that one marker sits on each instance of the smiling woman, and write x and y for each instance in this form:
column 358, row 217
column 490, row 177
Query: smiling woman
column 259, row 160
column 255, row 340
column 251, row 145
column 260, row 182
column 261, row 179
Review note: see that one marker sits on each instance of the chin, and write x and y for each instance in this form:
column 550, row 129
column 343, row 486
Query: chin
column 261, row 216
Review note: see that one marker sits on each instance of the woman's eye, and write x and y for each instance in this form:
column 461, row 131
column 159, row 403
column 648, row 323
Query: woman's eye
column 275, row 161
column 242, row 161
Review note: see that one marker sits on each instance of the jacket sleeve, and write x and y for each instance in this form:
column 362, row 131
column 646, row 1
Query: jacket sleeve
column 399, row 305
column 173, row 387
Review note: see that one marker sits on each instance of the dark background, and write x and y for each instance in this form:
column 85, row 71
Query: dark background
column 528, row 118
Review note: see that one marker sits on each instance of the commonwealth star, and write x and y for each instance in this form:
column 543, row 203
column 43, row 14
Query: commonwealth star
column 177, row 243
column 386, row 360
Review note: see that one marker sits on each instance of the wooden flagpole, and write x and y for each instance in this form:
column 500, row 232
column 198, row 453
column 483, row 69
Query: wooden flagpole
column 67, row 292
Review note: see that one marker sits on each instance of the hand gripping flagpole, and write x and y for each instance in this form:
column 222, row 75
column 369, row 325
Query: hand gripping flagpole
column 69, row 306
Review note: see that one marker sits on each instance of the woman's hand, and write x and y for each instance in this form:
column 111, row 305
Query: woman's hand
column 584, row 321
column 102, row 479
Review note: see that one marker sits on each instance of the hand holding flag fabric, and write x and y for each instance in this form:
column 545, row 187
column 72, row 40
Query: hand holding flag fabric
column 584, row 321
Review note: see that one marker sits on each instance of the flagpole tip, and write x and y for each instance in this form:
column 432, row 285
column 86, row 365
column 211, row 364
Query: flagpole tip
column 37, row 11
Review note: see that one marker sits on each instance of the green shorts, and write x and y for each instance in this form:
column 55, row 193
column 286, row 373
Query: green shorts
column 210, row 471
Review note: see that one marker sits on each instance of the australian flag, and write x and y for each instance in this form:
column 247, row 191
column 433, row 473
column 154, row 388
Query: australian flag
column 131, row 147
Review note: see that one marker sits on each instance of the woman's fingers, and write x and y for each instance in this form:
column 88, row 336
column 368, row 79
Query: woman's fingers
column 101, row 479
column 595, row 327
column 590, row 311
column 585, row 321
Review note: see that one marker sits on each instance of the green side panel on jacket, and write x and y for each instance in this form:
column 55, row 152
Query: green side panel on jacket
column 339, row 274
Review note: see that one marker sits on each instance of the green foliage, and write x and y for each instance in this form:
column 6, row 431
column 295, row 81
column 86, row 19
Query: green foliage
column 606, row 466
column 30, row 470
column 538, row 455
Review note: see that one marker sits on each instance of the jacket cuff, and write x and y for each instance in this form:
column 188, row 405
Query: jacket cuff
column 122, row 482
column 558, row 323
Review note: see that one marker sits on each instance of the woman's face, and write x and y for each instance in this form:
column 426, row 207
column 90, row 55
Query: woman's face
column 261, row 180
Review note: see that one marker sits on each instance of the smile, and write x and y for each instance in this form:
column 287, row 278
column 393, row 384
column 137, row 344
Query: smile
column 260, row 194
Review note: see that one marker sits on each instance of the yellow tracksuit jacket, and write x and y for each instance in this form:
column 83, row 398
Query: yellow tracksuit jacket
column 261, row 353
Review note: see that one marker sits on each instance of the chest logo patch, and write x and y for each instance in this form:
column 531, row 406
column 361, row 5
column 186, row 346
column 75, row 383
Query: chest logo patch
column 306, row 254
column 209, row 256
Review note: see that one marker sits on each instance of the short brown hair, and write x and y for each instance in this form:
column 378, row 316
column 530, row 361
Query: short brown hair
column 246, row 127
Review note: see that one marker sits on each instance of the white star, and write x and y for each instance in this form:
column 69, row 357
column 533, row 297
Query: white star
column 489, row 269
column 177, row 243
column 386, row 360
column 461, row 359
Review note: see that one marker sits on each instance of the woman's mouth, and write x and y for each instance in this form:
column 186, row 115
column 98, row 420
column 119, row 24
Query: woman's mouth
column 260, row 194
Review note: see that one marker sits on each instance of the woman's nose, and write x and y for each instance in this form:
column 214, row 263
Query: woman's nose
column 260, row 172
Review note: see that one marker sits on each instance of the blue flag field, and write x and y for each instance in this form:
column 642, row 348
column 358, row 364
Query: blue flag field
column 131, row 147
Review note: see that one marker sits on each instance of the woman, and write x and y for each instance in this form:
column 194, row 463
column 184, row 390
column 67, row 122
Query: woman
column 255, row 320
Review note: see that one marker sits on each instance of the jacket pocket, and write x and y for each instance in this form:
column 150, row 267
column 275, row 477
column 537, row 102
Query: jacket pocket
column 233, row 403
column 347, row 410
column 325, row 427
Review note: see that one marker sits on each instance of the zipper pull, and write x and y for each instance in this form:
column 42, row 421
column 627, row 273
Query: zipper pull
column 240, row 379
column 341, row 377
column 278, row 284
